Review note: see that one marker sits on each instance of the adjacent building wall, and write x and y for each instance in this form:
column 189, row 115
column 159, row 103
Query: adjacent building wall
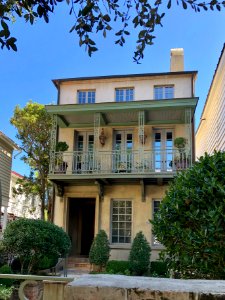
column 210, row 135
column 6, row 150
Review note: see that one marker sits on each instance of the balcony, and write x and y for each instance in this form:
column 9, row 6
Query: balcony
column 117, row 164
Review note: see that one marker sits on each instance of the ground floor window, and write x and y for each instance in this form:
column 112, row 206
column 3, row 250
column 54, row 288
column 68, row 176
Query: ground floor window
column 121, row 218
column 155, row 208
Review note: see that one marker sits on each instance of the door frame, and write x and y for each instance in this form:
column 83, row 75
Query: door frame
column 96, row 214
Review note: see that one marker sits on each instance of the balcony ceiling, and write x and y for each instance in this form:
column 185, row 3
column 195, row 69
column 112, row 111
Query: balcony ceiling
column 116, row 114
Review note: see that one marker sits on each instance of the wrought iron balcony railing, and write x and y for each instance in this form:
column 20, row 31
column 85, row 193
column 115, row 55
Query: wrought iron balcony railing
column 112, row 162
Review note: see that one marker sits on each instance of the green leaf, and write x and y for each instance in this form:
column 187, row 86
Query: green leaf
column 184, row 4
column 169, row 4
column 87, row 9
column 107, row 18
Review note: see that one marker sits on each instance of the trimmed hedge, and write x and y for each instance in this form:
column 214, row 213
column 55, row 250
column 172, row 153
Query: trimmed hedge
column 118, row 267
column 4, row 281
column 140, row 253
column 100, row 250
column 159, row 268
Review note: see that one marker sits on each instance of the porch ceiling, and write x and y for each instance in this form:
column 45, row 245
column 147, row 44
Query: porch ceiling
column 115, row 114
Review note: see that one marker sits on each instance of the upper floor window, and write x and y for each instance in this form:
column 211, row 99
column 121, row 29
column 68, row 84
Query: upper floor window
column 124, row 95
column 163, row 92
column 85, row 97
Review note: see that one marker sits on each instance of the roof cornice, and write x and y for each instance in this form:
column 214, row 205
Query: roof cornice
column 57, row 82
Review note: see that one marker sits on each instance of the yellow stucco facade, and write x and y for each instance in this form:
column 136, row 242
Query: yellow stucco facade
column 142, row 211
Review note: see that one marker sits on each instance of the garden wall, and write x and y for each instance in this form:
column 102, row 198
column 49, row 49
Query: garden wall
column 119, row 287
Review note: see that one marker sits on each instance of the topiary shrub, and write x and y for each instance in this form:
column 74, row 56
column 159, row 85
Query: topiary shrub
column 118, row 267
column 140, row 253
column 190, row 222
column 4, row 281
column 100, row 250
column 33, row 240
column 158, row 269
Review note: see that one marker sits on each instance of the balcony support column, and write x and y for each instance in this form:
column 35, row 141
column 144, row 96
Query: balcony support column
column 97, row 120
column 53, row 144
column 188, row 120
column 141, row 129
column 141, row 137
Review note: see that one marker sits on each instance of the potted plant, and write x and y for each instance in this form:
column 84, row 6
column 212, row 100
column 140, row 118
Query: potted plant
column 61, row 166
column 181, row 160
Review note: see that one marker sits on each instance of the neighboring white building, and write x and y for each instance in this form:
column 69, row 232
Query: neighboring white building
column 21, row 206
column 210, row 135
column 6, row 150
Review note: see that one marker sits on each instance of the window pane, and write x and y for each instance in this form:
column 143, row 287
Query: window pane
column 129, row 95
column 158, row 93
column 163, row 92
column 86, row 97
column 124, row 95
column 114, row 239
column 169, row 92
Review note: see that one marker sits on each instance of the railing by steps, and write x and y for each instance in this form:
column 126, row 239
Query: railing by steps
column 112, row 162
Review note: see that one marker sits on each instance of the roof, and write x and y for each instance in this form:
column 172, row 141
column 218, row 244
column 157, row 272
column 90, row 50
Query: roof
column 210, row 88
column 9, row 141
column 16, row 174
column 58, row 81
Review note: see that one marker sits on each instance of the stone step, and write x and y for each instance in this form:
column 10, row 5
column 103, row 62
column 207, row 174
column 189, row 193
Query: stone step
column 78, row 259
column 83, row 266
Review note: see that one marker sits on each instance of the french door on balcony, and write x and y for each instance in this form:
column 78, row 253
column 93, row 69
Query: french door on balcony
column 163, row 149
column 83, row 157
column 122, row 153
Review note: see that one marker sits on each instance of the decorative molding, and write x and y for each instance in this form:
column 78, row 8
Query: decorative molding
column 59, row 190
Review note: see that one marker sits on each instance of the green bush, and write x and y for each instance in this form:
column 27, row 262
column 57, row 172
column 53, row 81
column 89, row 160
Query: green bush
column 4, row 281
column 47, row 262
column 3, row 256
column 100, row 250
column 118, row 267
column 31, row 241
column 159, row 269
column 139, row 257
column 190, row 222
column 5, row 292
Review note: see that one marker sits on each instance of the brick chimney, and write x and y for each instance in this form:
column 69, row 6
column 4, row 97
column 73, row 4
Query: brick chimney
column 176, row 60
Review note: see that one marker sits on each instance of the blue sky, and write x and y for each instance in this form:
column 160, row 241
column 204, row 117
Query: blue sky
column 48, row 51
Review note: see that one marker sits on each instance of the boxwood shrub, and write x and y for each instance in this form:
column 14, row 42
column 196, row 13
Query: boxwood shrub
column 118, row 267
column 5, row 281
column 159, row 269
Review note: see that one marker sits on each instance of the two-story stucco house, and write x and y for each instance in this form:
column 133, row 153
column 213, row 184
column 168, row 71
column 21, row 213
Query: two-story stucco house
column 6, row 150
column 120, row 131
column 210, row 135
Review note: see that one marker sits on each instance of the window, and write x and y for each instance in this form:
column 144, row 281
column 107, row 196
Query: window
column 121, row 221
column 86, row 97
column 163, row 92
column 155, row 208
column 124, row 95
